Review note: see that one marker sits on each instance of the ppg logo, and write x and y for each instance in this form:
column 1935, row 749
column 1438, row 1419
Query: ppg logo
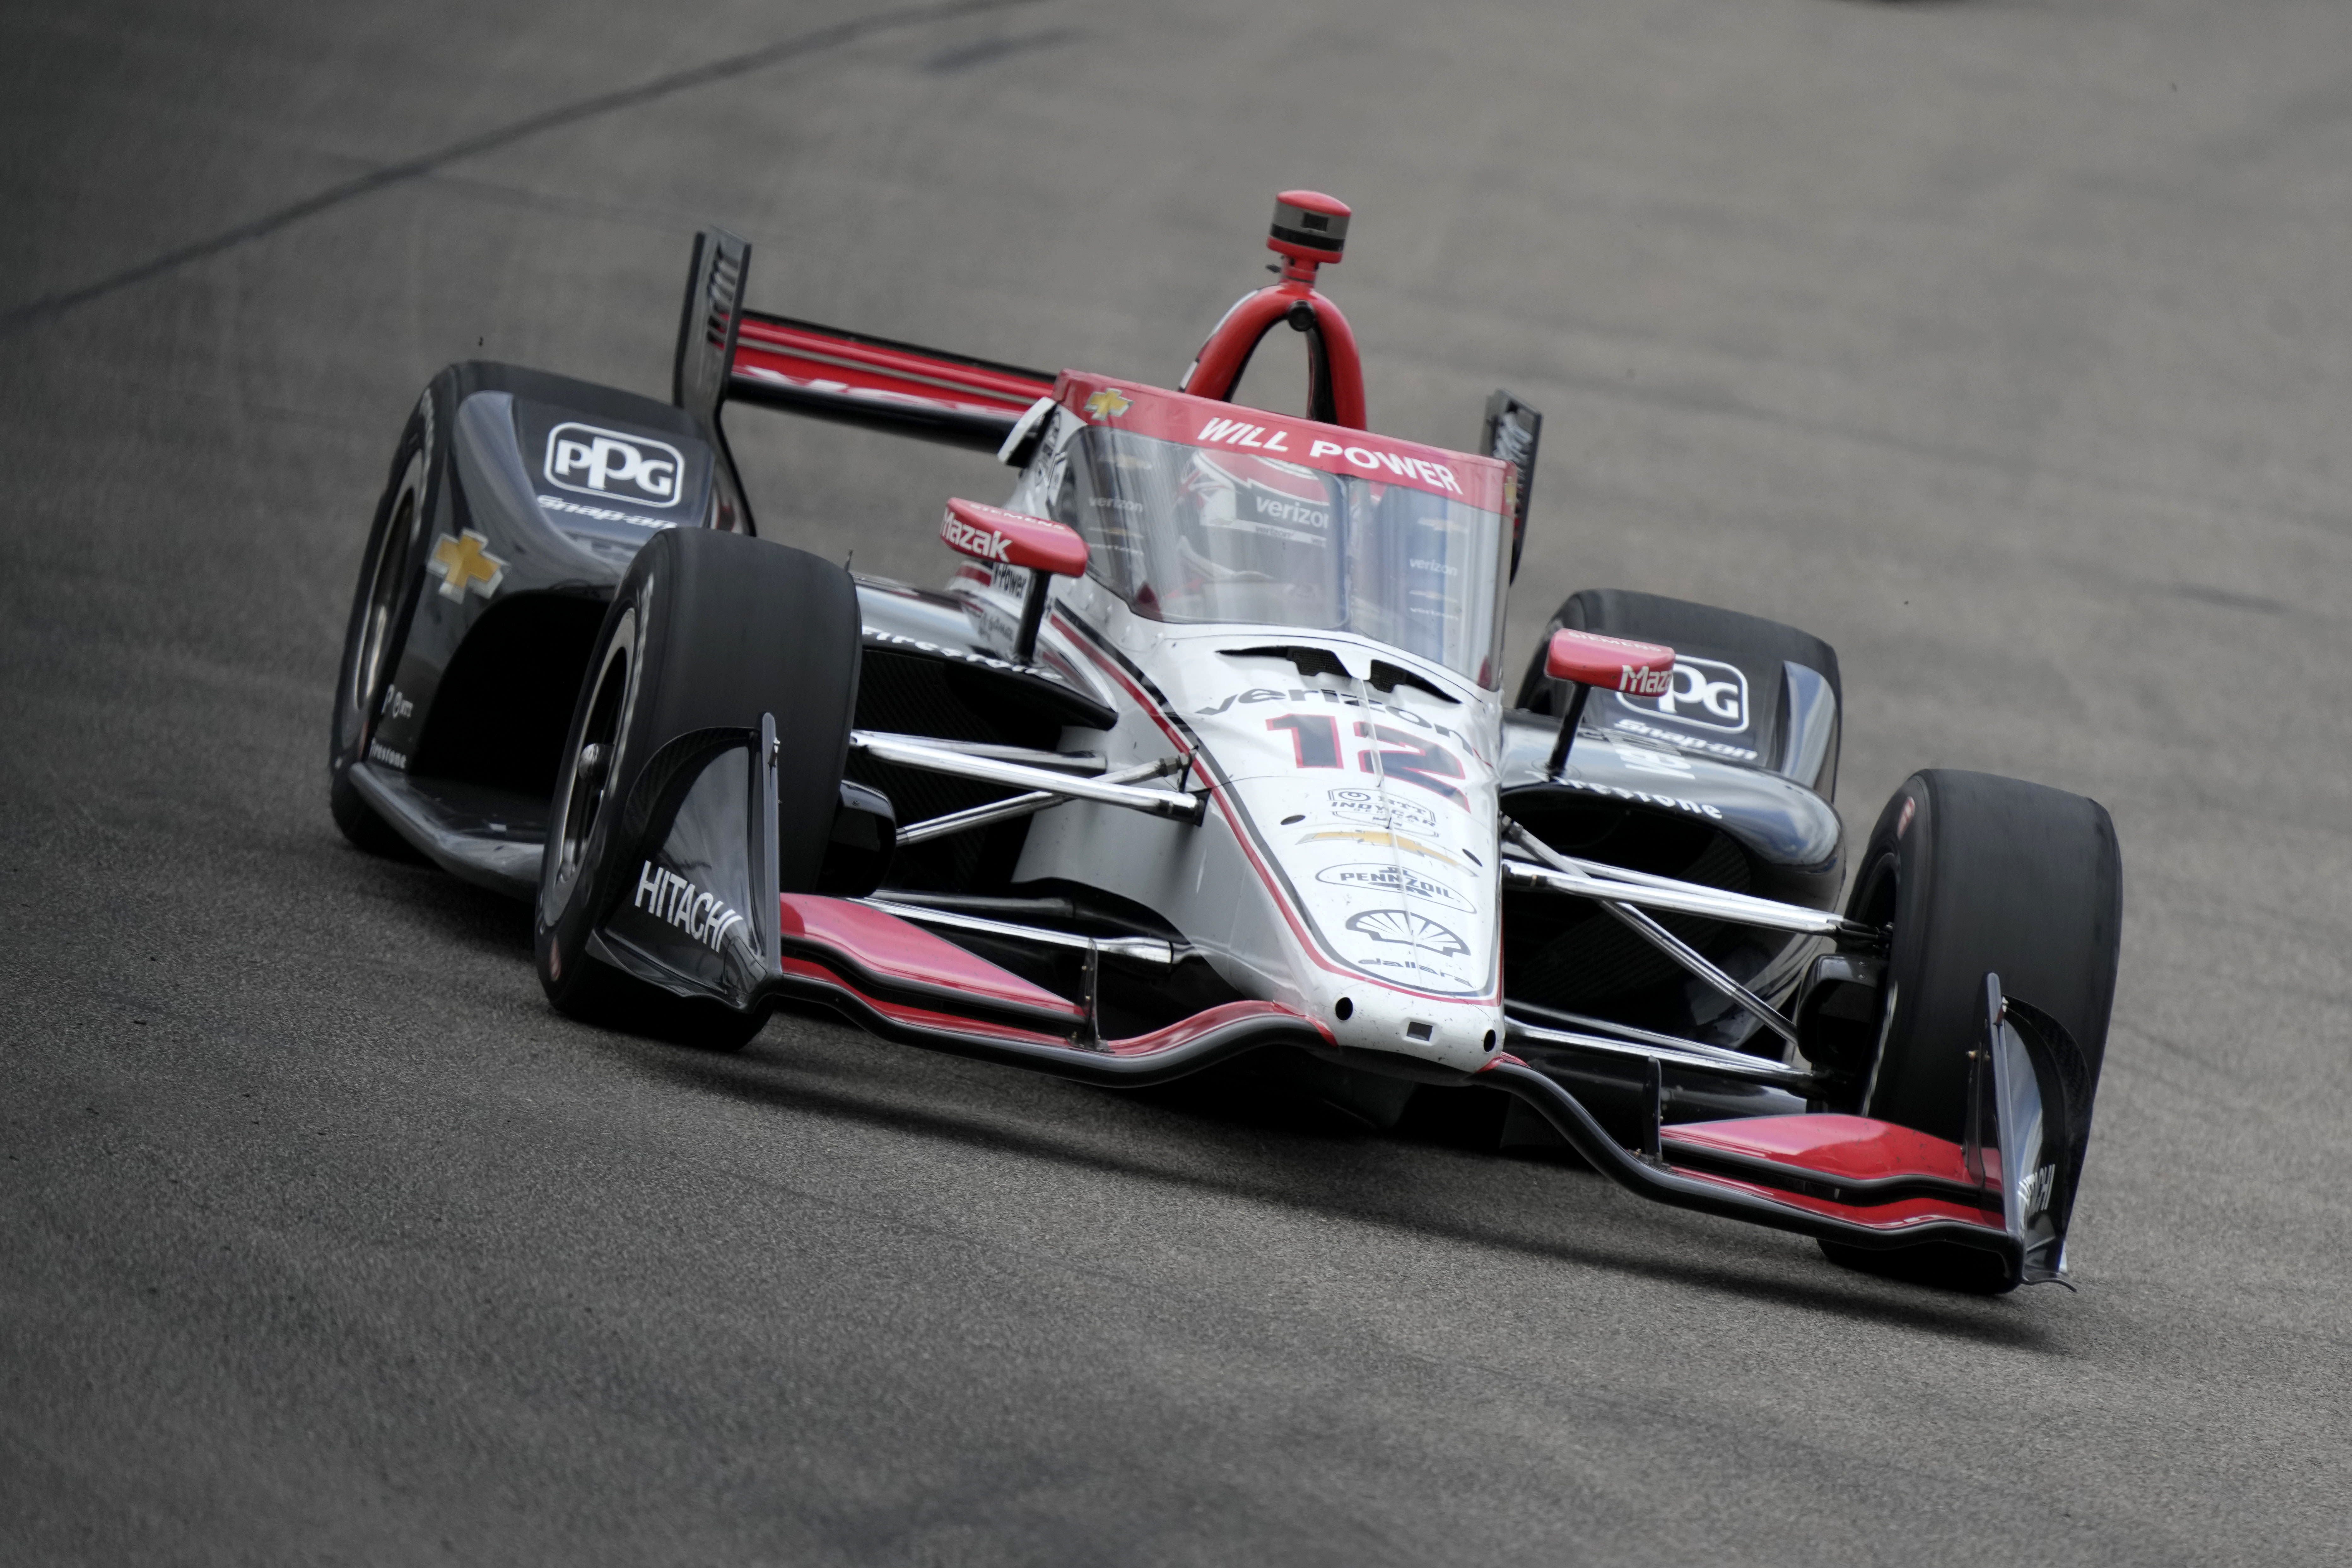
column 1704, row 693
column 593, row 461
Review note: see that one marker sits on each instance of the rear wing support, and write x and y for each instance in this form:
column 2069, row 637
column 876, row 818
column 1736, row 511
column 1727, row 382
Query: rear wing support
column 707, row 329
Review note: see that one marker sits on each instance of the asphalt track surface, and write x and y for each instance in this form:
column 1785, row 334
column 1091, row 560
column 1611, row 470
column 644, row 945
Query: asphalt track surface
column 2008, row 345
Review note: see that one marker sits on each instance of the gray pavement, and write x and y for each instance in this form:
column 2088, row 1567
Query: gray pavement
column 2006, row 344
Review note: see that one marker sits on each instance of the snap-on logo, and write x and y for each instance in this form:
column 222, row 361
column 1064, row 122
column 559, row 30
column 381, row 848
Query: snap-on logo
column 985, row 543
column 1706, row 694
column 594, row 462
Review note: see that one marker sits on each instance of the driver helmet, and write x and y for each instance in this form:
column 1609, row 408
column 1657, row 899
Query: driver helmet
column 1260, row 517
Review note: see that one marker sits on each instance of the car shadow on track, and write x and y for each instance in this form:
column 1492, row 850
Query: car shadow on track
column 1291, row 1156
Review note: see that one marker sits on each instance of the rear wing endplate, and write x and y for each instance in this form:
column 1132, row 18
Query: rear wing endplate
column 1511, row 434
column 707, row 328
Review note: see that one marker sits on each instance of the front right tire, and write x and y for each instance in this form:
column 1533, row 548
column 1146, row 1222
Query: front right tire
column 1972, row 874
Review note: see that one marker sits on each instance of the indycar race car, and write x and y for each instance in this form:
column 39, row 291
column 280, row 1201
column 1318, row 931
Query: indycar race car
column 1202, row 755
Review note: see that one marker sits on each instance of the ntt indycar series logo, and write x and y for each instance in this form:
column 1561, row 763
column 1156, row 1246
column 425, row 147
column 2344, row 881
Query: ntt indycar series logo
column 589, row 461
column 666, row 895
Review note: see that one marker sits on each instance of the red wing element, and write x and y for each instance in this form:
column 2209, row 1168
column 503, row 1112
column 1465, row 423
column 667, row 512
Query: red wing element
column 1839, row 1148
column 1013, row 538
column 874, row 382
column 908, row 984
column 1870, row 1171
column 890, row 953
column 1615, row 663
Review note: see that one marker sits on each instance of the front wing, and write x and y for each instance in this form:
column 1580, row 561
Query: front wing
column 1849, row 1180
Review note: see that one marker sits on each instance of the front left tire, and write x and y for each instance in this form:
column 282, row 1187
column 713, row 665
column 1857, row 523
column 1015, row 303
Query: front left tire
column 707, row 631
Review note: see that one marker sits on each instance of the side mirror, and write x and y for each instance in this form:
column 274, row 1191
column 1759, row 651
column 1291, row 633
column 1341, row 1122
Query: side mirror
column 1046, row 549
column 1589, row 659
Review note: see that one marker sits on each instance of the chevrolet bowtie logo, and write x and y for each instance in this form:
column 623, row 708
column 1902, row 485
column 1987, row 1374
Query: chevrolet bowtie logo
column 1107, row 404
column 462, row 563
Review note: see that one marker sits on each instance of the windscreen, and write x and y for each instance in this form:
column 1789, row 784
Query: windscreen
column 1197, row 534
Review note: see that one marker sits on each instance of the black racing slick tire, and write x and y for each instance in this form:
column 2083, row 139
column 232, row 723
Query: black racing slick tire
column 1758, row 646
column 391, row 571
column 1977, row 874
column 707, row 631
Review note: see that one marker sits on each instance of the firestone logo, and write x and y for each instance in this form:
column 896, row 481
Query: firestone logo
column 589, row 461
column 985, row 543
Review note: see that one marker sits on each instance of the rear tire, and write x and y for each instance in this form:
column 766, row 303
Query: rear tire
column 389, row 573
column 707, row 631
column 1981, row 874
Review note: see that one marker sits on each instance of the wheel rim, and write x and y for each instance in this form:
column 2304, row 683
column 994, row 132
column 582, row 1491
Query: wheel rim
column 582, row 798
column 386, row 580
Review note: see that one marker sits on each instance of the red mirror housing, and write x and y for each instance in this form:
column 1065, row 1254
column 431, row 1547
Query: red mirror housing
column 1047, row 550
column 1589, row 659
column 1012, row 538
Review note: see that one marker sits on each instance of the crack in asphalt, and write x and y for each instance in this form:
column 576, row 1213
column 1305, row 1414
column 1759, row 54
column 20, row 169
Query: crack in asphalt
column 573, row 114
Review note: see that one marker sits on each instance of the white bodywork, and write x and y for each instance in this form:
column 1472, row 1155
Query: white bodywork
column 1342, row 868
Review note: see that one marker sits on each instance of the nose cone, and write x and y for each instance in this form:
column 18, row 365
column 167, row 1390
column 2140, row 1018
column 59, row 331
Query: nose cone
column 1376, row 824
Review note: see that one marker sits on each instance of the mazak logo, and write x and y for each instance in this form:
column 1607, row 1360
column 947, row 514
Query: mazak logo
column 1704, row 693
column 592, row 462
column 985, row 543
column 1644, row 683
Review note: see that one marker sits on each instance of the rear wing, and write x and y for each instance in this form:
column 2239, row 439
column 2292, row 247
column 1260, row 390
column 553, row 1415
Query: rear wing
column 726, row 350
column 881, row 384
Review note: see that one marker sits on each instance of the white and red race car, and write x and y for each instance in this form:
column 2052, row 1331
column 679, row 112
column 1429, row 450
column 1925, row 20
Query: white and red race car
column 1202, row 755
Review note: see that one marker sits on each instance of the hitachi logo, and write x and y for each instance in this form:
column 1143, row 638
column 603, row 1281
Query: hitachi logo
column 666, row 895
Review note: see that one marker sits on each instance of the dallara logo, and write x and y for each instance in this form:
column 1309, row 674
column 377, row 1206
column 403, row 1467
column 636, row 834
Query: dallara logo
column 594, row 462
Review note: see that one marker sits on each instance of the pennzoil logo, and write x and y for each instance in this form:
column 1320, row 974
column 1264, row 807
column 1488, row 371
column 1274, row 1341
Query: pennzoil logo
column 666, row 895
column 591, row 461
column 1394, row 879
